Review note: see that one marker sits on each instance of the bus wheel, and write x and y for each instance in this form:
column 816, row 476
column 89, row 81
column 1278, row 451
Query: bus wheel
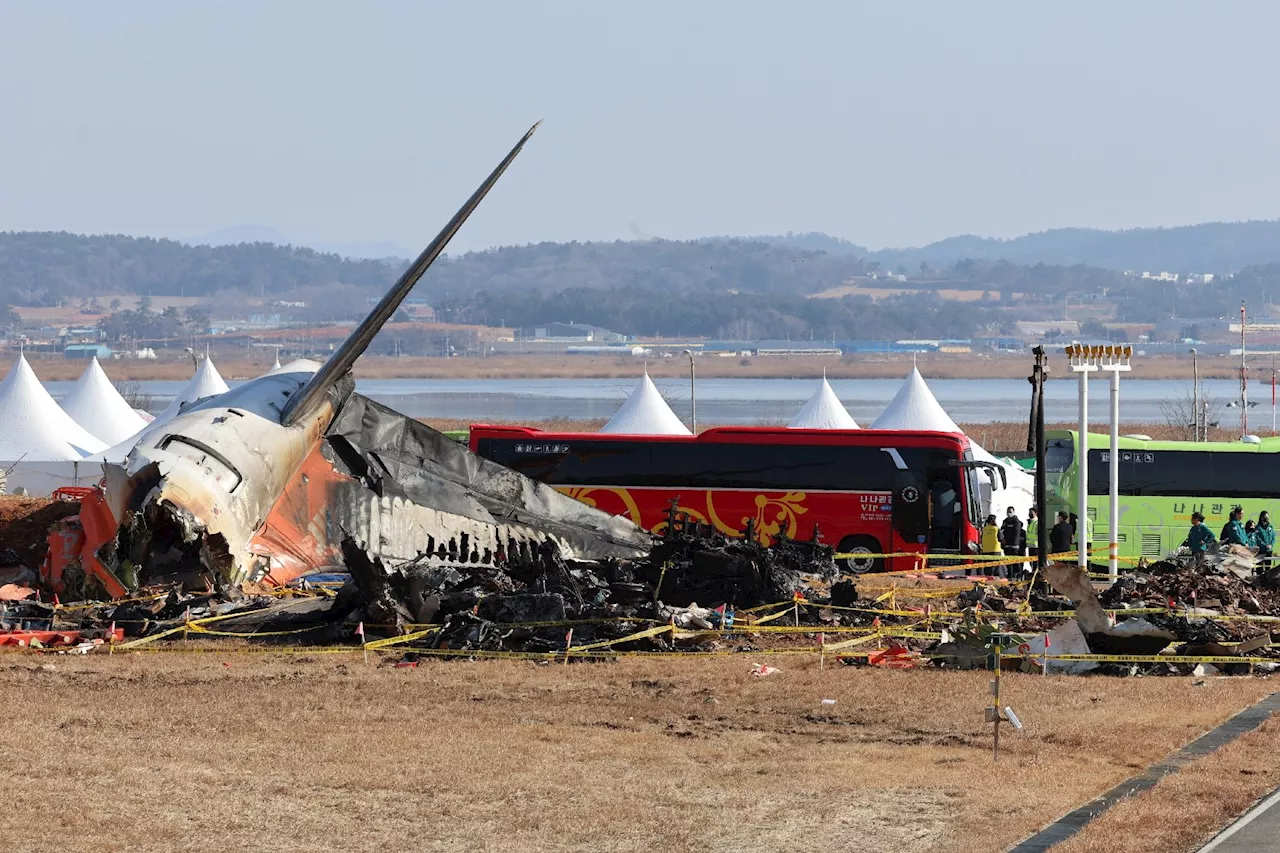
column 860, row 545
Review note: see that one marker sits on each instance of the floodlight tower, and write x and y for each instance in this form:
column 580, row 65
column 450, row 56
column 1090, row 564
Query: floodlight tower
column 1115, row 360
column 1083, row 361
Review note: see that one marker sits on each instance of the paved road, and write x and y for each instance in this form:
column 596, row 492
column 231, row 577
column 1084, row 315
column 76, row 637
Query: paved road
column 1258, row 830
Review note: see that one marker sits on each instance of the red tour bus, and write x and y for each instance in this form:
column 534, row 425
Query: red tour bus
column 866, row 491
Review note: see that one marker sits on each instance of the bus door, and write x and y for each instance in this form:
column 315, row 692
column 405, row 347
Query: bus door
column 911, row 508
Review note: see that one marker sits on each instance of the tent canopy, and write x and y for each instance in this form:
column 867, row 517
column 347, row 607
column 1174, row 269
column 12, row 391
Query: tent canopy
column 207, row 382
column 645, row 413
column 33, row 428
column 120, row 451
column 96, row 405
column 915, row 407
column 823, row 411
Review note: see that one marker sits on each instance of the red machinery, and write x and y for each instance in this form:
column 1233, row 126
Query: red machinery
column 74, row 542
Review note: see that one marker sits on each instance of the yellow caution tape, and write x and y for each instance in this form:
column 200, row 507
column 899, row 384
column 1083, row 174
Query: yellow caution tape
column 1176, row 659
column 200, row 629
column 773, row 616
column 652, row 632
column 194, row 626
column 92, row 604
column 386, row 642
column 142, row 641
column 844, row 644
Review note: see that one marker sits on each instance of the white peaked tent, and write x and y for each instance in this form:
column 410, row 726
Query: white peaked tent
column 645, row 413
column 32, row 426
column 915, row 407
column 206, row 383
column 823, row 411
column 117, row 453
column 96, row 405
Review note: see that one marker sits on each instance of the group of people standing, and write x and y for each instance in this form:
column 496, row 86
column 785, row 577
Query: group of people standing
column 1010, row 539
column 1260, row 536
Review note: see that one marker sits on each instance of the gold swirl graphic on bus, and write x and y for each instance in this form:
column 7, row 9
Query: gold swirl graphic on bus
column 584, row 494
column 784, row 510
column 773, row 515
column 770, row 516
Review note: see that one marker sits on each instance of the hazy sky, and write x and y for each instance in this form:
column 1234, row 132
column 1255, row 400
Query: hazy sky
column 888, row 124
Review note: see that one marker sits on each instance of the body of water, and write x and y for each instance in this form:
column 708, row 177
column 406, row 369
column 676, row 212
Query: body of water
column 757, row 401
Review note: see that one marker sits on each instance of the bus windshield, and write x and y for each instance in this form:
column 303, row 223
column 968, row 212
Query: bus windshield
column 1058, row 456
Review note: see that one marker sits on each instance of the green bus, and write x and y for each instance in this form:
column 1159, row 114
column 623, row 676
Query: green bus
column 1161, row 484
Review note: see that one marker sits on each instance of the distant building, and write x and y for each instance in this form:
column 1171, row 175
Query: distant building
column 1001, row 343
column 775, row 351
column 86, row 351
column 606, row 350
column 567, row 332
column 1205, row 329
column 1040, row 328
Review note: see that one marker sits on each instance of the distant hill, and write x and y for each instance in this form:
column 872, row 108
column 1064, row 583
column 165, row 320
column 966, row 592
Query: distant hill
column 44, row 268
column 812, row 241
column 1217, row 247
column 47, row 268
column 263, row 234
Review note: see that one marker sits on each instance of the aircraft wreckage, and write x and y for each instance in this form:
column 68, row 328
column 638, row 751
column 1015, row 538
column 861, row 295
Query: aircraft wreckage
column 262, row 484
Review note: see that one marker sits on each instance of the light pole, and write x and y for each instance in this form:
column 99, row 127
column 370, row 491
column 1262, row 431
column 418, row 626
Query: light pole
column 693, row 399
column 1195, row 395
column 1117, row 361
column 1244, row 381
column 1082, row 361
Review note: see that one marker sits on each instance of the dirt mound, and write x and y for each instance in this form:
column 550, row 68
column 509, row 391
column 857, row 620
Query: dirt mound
column 24, row 525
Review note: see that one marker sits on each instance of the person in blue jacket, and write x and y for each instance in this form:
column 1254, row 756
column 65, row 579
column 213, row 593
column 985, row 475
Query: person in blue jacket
column 1264, row 535
column 1233, row 532
column 1199, row 537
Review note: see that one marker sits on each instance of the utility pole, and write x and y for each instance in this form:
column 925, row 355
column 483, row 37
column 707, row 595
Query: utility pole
column 1195, row 395
column 693, row 398
column 1244, row 382
column 1038, row 374
column 1035, row 402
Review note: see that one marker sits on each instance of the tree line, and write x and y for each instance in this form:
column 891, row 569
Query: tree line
column 742, row 288
column 645, row 311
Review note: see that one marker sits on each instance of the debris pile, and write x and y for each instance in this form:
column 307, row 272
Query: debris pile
column 1215, row 586
column 526, row 601
column 24, row 530
column 1220, row 606
column 692, row 585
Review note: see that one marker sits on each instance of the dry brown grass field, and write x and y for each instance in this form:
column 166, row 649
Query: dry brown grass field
column 234, row 365
column 1184, row 810
column 271, row 753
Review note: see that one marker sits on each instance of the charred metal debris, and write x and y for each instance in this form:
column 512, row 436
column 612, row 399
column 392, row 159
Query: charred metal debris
column 528, row 598
column 520, row 599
